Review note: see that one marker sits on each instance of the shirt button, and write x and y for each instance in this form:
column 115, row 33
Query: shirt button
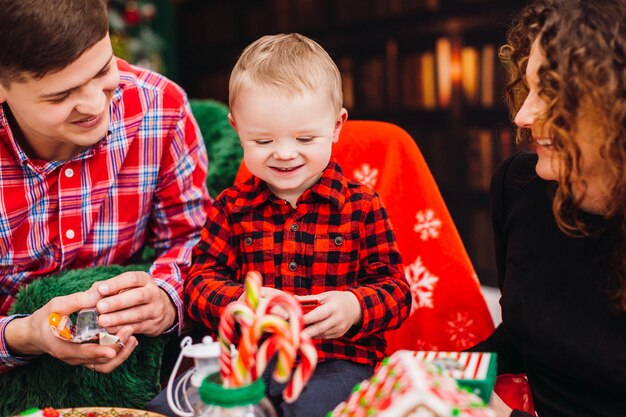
column 293, row 266
column 248, row 241
column 339, row 240
column 294, row 227
column 70, row 234
column 69, row 172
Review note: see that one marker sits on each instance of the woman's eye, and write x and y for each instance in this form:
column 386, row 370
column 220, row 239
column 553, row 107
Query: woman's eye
column 305, row 139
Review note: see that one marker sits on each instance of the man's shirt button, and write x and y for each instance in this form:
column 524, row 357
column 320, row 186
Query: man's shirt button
column 293, row 266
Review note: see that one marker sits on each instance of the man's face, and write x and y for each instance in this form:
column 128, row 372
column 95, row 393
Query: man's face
column 66, row 111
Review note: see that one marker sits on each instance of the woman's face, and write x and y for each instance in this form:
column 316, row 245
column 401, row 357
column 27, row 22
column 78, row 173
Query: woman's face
column 534, row 106
column 589, row 137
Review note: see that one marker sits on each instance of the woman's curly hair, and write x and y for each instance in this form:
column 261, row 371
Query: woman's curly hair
column 584, row 68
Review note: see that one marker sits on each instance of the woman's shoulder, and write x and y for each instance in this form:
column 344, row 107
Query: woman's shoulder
column 517, row 170
column 516, row 184
column 515, row 174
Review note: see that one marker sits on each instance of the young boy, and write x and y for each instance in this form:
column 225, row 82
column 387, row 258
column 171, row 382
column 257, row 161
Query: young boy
column 99, row 158
column 309, row 230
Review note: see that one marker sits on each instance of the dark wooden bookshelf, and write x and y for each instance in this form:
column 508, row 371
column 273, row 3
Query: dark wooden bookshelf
column 391, row 54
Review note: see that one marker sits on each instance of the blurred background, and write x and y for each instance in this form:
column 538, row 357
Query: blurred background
column 430, row 66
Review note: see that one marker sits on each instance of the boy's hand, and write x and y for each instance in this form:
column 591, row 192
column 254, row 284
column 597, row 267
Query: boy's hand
column 267, row 292
column 339, row 310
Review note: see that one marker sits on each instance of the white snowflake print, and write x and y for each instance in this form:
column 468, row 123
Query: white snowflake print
column 427, row 225
column 460, row 328
column 423, row 345
column 422, row 284
column 366, row 175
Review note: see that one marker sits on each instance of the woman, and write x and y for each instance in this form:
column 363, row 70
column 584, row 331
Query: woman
column 559, row 214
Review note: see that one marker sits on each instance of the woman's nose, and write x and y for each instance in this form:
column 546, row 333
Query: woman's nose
column 525, row 116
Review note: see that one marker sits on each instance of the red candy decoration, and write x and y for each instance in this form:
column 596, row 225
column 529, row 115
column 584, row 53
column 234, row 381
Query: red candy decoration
column 50, row 412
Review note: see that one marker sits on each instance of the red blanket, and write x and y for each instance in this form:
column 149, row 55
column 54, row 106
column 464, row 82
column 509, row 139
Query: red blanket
column 449, row 312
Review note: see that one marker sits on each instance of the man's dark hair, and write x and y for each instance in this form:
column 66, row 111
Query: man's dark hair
column 39, row 37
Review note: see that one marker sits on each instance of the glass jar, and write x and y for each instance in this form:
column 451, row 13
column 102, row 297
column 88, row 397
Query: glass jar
column 246, row 401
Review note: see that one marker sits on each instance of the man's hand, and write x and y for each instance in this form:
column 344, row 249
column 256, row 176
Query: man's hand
column 339, row 310
column 33, row 335
column 133, row 299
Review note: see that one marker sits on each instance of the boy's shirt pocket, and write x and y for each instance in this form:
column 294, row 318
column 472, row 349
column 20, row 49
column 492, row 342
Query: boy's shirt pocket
column 336, row 260
column 257, row 254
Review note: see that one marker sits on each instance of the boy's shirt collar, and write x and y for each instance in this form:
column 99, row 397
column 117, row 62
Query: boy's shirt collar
column 331, row 186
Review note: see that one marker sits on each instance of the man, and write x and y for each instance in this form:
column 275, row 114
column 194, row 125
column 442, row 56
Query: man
column 98, row 159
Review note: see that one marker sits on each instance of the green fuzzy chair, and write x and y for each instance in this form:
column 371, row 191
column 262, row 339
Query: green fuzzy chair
column 47, row 381
column 222, row 143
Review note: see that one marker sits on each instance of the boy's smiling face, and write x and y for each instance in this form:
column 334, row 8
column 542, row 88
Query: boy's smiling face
column 287, row 138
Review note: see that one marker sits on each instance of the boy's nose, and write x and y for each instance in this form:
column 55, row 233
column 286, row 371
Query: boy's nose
column 285, row 153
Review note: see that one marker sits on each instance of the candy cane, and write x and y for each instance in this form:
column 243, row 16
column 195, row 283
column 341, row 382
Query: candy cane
column 288, row 303
column 244, row 362
column 234, row 312
column 303, row 372
column 280, row 341
column 285, row 340
column 252, row 288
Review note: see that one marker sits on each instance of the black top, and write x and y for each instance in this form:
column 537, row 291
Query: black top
column 557, row 325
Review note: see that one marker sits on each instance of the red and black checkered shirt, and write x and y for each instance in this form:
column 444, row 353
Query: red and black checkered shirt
column 337, row 238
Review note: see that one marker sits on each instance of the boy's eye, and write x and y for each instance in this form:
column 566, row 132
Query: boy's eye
column 305, row 139
column 262, row 141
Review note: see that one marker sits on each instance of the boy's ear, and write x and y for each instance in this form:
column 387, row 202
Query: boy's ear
column 231, row 120
column 3, row 94
column 341, row 119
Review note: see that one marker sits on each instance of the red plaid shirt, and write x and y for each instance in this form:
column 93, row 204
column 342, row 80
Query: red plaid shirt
column 142, row 183
column 337, row 238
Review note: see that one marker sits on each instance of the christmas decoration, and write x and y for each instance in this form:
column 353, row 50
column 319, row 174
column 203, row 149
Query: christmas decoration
column 132, row 34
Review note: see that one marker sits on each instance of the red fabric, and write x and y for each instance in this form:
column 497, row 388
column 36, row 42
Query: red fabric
column 449, row 312
column 514, row 390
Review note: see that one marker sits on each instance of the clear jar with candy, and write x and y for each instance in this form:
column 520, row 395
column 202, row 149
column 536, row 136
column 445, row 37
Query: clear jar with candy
column 245, row 401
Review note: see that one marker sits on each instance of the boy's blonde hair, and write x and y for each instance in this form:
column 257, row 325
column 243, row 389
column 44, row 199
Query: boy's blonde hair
column 289, row 62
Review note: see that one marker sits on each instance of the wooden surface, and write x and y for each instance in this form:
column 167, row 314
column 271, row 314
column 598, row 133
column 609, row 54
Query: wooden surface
column 105, row 411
